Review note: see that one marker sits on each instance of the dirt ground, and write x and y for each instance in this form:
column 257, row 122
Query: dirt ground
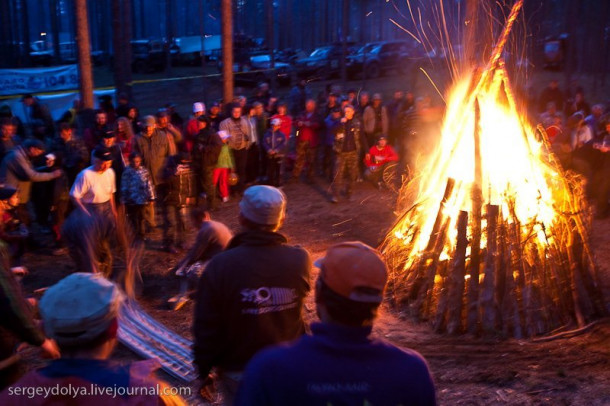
column 467, row 370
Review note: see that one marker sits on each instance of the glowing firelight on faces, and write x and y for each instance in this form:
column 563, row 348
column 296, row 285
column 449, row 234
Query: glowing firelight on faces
column 514, row 171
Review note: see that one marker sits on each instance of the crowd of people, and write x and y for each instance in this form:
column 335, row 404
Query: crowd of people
column 72, row 178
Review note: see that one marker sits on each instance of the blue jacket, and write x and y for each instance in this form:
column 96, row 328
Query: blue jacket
column 337, row 365
column 275, row 140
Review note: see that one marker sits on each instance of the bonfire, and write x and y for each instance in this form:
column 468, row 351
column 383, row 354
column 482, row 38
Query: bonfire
column 493, row 233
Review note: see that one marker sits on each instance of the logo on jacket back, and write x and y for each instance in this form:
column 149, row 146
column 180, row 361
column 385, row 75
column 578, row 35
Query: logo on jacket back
column 268, row 299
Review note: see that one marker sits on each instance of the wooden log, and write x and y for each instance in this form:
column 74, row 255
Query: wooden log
column 433, row 242
column 440, row 320
column 575, row 284
column 488, row 299
column 456, row 275
column 475, row 247
column 500, row 283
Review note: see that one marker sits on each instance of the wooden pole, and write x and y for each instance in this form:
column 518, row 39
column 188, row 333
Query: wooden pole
column 488, row 300
column 84, row 54
column 227, row 50
column 477, row 202
column 457, row 273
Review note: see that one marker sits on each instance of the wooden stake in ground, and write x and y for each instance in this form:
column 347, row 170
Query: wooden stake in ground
column 475, row 247
column 456, row 275
column 488, row 300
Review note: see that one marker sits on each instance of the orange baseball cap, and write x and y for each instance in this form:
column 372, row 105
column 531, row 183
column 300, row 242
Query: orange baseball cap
column 350, row 266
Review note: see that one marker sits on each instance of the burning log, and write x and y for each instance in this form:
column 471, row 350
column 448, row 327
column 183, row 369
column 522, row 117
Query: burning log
column 475, row 247
column 457, row 273
column 488, row 300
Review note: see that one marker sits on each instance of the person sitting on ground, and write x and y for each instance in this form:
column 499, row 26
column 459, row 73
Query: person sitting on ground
column 251, row 295
column 341, row 364
column 80, row 313
column 137, row 191
column 377, row 159
column 274, row 144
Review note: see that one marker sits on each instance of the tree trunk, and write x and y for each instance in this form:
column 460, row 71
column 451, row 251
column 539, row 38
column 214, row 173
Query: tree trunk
column 344, row 29
column 271, row 40
column 470, row 31
column 84, row 54
column 227, row 50
column 54, row 15
column 119, row 65
column 26, row 31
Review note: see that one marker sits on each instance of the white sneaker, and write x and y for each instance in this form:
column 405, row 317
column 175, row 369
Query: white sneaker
column 225, row 199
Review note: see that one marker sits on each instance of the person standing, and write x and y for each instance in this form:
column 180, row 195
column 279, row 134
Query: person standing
column 89, row 231
column 308, row 125
column 274, row 145
column 375, row 120
column 341, row 363
column 237, row 127
column 137, row 192
column 192, row 126
column 206, row 150
column 349, row 142
column 251, row 295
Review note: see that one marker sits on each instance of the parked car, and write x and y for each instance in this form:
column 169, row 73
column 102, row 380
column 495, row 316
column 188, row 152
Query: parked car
column 147, row 56
column 69, row 53
column 323, row 62
column 257, row 69
column 378, row 58
column 41, row 53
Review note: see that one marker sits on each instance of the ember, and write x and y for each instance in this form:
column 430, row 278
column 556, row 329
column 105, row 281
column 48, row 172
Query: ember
column 493, row 233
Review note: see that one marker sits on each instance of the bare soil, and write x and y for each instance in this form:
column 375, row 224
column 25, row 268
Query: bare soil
column 467, row 370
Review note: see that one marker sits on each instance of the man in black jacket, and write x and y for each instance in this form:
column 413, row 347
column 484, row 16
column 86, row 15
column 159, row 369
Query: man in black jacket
column 205, row 157
column 251, row 295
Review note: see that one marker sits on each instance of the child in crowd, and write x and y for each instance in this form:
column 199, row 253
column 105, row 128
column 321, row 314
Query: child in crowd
column 274, row 143
column 137, row 191
column 224, row 166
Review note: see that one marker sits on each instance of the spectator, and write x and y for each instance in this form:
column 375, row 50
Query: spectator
column 251, row 295
column 551, row 94
column 154, row 149
column 192, row 126
column 106, row 106
column 168, row 130
column 349, row 141
column 593, row 120
column 12, row 230
column 238, row 127
column 70, row 152
column 578, row 103
column 17, row 321
column 282, row 114
column 331, row 125
column 137, row 192
column 274, row 145
column 254, row 150
column 122, row 108
column 175, row 118
column 93, row 135
column 179, row 191
column 363, row 103
column 124, row 136
column 215, row 117
column 375, row 120
column 394, row 109
column 9, row 139
column 80, row 312
column 34, row 111
column 340, row 363
column 224, row 166
column 547, row 118
column 16, row 170
column 205, row 157
column 308, row 125
column 298, row 97
column 377, row 159
column 331, row 103
column 134, row 120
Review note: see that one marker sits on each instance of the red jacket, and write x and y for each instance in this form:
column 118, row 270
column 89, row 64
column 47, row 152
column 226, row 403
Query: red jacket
column 286, row 125
column 309, row 128
column 379, row 157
